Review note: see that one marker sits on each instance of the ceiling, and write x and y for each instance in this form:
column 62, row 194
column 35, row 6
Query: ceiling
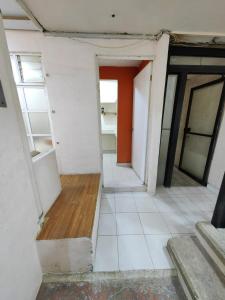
column 118, row 62
column 14, row 16
column 131, row 16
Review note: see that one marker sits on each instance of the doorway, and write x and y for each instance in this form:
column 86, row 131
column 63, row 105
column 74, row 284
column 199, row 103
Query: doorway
column 196, row 101
column 124, row 104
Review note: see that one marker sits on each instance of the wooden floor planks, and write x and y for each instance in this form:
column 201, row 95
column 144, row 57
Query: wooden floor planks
column 72, row 214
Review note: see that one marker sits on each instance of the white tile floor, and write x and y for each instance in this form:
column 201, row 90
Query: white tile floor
column 134, row 227
column 181, row 179
column 117, row 176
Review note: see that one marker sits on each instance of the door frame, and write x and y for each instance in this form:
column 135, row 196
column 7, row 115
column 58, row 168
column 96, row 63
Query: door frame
column 125, row 57
column 147, row 132
column 182, row 71
column 215, row 132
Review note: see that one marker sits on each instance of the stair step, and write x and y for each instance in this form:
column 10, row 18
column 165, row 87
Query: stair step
column 199, row 278
column 213, row 241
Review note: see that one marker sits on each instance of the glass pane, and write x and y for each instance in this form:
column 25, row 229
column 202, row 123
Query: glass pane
column 169, row 100
column 167, row 119
column 163, row 155
column 205, row 100
column 31, row 68
column 15, row 70
column 195, row 154
column 213, row 61
column 42, row 144
column 36, row 99
column 192, row 60
column 21, row 98
column 39, row 123
column 108, row 91
column 185, row 60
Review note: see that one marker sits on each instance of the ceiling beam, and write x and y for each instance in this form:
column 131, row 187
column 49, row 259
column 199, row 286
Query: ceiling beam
column 15, row 18
column 30, row 15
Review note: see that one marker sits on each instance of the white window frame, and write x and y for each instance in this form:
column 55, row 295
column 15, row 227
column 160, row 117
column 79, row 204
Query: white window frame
column 26, row 111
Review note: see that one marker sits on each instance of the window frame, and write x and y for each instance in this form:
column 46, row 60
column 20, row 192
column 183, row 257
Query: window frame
column 25, row 111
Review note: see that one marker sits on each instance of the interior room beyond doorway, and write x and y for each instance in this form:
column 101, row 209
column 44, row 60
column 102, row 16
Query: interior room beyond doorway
column 199, row 122
column 124, row 102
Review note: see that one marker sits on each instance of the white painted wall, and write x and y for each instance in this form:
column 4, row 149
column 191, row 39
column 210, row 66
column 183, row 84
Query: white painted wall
column 47, row 177
column 141, row 98
column 155, row 111
column 72, row 88
column 218, row 163
column 20, row 274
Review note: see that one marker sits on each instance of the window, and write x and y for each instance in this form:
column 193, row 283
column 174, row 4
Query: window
column 108, row 91
column 29, row 79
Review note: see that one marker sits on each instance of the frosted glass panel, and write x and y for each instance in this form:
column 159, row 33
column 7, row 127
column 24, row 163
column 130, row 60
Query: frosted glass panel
column 195, row 154
column 39, row 123
column 21, row 98
column 205, row 100
column 185, row 60
column 167, row 119
column 200, row 61
column 108, row 91
column 31, row 68
column 169, row 100
column 36, row 99
column 42, row 144
column 163, row 155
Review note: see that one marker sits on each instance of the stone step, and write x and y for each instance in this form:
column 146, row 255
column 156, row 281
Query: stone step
column 196, row 272
column 213, row 241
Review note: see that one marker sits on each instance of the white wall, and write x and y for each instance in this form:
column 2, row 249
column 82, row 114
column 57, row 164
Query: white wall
column 20, row 274
column 72, row 88
column 47, row 177
column 156, row 108
column 218, row 163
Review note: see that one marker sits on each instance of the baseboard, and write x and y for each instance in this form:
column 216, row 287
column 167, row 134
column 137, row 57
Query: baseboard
column 124, row 165
column 109, row 151
column 142, row 188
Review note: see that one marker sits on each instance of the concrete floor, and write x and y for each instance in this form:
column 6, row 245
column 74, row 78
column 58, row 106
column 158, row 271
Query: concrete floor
column 162, row 285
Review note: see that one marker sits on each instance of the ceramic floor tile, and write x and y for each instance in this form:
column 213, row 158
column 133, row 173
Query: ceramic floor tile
column 107, row 224
column 153, row 223
column 128, row 223
column 106, row 258
column 158, row 252
column 145, row 204
column 177, row 223
column 125, row 204
column 165, row 205
column 107, row 205
column 118, row 176
column 133, row 253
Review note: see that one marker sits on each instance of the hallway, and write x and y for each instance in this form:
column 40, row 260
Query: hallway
column 118, row 176
column 134, row 227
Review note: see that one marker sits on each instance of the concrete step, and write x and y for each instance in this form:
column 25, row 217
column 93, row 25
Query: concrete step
column 196, row 272
column 213, row 241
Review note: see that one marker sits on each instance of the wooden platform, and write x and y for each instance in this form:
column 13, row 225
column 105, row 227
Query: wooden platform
column 72, row 214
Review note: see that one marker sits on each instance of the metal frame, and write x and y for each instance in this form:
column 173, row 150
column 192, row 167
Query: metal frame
column 213, row 136
column 182, row 71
